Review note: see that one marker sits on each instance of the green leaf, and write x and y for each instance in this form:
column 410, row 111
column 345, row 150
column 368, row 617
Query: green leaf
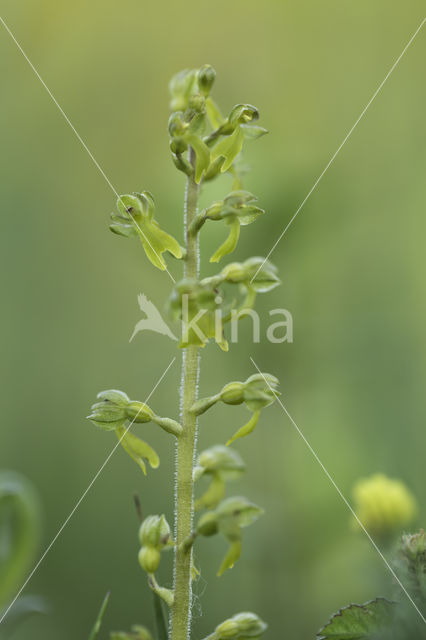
column 229, row 148
column 359, row 622
column 98, row 622
column 137, row 449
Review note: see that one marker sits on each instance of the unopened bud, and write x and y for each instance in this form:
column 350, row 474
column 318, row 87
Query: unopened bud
column 149, row 559
column 206, row 77
column 155, row 532
column 242, row 625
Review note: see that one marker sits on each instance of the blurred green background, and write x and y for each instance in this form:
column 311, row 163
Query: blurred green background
column 352, row 267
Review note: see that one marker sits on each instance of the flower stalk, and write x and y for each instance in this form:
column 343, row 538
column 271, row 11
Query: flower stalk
column 184, row 491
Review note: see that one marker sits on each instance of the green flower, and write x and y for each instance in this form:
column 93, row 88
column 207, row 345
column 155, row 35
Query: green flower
column 136, row 218
column 112, row 412
column 236, row 209
column 257, row 392
column 221, row 464
column 186, row 130
column 235, row 129
column 230, row 517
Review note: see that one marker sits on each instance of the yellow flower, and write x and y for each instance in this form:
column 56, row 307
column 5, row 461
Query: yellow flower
column 384, row 506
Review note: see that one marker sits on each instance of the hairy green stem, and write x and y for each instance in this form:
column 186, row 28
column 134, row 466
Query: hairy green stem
column 181, row 610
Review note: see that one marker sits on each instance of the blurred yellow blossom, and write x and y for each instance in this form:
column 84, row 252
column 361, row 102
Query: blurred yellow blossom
column 383, row 505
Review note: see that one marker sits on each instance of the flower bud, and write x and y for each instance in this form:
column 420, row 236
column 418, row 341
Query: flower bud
column 242, row 625
column 206, row 77
column 149, row 559
column 233, row 393
column 182, row 86
column 155, row 532
column 196, row 104
column 383, row 505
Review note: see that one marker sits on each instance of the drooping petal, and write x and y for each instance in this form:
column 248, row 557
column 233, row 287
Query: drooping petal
column 245, row 429
column 213, row 495
column 202, row 155
column 167, row 241
column 234, row 552
column 137, row 449
column 230, row 243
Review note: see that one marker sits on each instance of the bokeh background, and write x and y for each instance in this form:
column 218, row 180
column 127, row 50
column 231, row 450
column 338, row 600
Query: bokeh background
column 353, row 277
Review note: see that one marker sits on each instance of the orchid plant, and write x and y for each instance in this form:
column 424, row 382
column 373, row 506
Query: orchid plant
column 204, row 145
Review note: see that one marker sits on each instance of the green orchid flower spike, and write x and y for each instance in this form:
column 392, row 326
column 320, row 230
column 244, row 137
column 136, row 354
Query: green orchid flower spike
column 257, row 392
column 112, row 412
column 230, row 517
column 236, row 210
column 204, row 144
column 136, row 218
column 221, row 464
column 190, row 93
